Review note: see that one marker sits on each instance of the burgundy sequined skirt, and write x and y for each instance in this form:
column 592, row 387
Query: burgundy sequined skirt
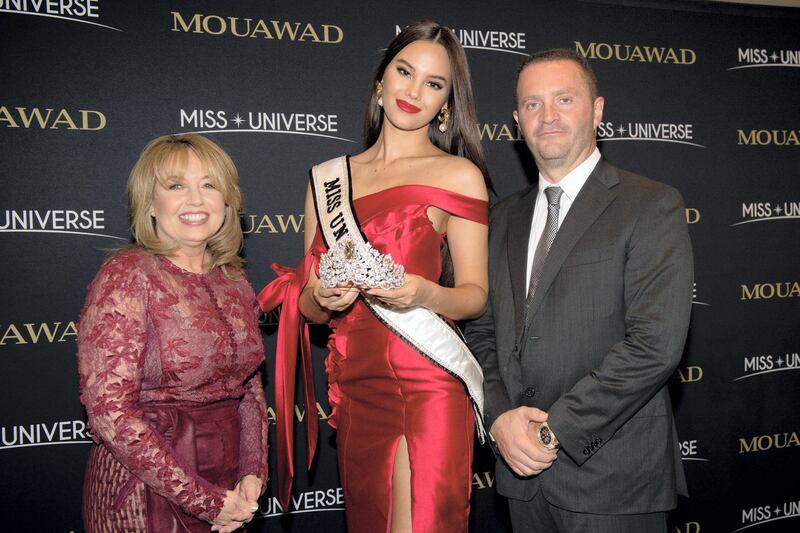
column 205, row 441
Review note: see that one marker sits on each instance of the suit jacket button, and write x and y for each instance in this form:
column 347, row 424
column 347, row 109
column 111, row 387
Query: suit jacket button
column 530, row 392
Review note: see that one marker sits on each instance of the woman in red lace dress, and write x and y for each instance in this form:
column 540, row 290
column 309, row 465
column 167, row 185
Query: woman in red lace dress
column 405, row 426
column 169, row 352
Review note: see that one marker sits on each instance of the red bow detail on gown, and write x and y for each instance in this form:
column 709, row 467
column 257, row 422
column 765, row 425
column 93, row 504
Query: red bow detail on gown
column 286, row 289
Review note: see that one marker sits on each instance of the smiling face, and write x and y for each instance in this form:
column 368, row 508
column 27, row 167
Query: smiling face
column 189, row 208
column 557, row 115
column 416, row 84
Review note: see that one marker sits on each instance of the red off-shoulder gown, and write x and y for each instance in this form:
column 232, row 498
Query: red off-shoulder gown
column 152, row 335
column 381, row 389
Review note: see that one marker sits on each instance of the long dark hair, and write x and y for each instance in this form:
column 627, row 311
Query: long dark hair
column 461, row 137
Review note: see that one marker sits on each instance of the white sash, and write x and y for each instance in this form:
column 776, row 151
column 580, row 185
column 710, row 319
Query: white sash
column 420, row 328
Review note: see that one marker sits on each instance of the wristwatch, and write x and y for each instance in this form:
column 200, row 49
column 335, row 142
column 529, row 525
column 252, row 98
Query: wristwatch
column 547, row 438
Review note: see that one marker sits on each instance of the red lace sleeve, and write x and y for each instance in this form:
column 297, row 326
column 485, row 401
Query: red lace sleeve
column 253, row 444
column 112, row 339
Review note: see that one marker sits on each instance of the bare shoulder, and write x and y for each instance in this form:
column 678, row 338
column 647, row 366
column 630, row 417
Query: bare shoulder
column 460, row 175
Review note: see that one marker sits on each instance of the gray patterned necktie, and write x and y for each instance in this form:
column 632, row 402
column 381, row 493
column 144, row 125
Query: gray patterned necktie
column 548, row 235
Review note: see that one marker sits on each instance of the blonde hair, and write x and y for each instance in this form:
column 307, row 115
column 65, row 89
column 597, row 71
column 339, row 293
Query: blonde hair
column 166, row 157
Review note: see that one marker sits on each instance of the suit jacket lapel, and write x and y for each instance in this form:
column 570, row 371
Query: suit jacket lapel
column 595, row 195
column 519, row 229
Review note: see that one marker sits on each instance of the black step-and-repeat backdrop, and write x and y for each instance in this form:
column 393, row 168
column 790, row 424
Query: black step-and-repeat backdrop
column 704, row 98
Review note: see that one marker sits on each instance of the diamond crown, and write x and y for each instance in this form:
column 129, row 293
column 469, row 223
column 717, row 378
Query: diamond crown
column 350, row 262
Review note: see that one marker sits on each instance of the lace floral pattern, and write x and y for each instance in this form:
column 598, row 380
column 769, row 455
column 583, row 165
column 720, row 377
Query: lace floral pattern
column 151, row 333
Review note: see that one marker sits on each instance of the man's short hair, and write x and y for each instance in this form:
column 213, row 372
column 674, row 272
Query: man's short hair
column 561, row 54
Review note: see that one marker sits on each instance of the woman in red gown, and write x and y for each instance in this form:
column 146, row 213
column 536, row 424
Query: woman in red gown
column 169, row 352
column 405, row 426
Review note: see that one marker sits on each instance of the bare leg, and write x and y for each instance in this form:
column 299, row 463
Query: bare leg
column 401, row 489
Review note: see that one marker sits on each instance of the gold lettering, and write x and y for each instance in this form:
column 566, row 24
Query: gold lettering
column 177, row 19
column 266, row 222
column 64, row 118
column 643, row 54
column 261, row 27
column 483, row 480
column 285, row 28
column 505, row 133
column 637, row 54
column 690, row 374
column 235, row 25
column 326, row 32
column 12, row 333
column 692, row 215
column 745, row 447
column 221, row 24
column 750, row 294
column 654, row 54
column 296, row 222
column 795, row 291
column 309, row 31
column 69, row 331
column 688, row 527
column 35, row 113
column 609, row 52
column 299, row 414
column 485, row 131
column 5, row 116
column 585, row 52
column 44, row 326
column 765, row 442
column 747, row 139
column 101, row 123
column 321, row 412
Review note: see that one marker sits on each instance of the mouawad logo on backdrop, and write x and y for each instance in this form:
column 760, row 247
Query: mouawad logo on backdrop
column 82, row 11
column 51, row 118
column 218, row 120
column 487, row 39
column 256, row 28
column 638, row 53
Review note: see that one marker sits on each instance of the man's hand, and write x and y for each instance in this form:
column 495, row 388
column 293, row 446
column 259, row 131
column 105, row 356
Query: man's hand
column 514, row 432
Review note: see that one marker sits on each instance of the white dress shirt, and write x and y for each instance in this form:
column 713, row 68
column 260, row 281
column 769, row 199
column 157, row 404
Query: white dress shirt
column 571, row 184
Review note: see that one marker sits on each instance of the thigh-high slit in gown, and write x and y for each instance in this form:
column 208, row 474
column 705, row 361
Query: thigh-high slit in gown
column 381, row 389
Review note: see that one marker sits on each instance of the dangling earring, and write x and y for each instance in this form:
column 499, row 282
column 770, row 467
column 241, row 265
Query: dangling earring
column 378, row 93
column 444, row 118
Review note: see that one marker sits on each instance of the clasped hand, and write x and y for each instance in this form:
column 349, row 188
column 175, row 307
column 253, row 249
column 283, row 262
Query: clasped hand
column 239, row 505
column 413, row 292
column 515, row 434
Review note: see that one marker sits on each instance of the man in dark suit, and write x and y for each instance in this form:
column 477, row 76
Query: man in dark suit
column 590, row 295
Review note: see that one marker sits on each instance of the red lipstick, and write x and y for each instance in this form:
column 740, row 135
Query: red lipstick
column 407, row 107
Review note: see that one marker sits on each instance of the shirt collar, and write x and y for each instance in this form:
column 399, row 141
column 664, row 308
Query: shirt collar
column 573, row 182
